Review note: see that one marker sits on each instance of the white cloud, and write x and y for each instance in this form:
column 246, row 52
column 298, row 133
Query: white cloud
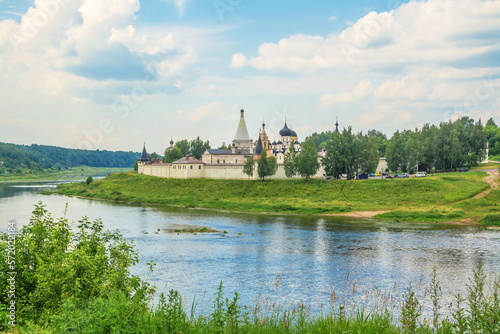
column 402, row 89
column 434, row 32
column 332, row 18
column 212, row 109
column 180, row 5
column 238, row 60
column 362, row 90
column 327, row 100
column 89, row 45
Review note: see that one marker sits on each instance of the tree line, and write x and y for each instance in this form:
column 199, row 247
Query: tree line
column 444, row 147
column 14, row 157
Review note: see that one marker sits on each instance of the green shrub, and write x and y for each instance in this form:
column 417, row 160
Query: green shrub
column 491, row 219
column 54, row 264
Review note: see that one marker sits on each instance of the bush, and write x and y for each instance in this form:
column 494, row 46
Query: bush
column 55, row 263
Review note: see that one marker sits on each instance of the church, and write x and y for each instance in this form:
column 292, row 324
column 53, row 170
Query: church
column 228, row 163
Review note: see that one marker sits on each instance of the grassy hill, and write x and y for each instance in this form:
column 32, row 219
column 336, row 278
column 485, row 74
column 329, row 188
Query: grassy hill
column 444, row 197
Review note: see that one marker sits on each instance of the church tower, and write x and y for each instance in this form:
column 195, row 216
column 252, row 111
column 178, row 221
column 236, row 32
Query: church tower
column 242, row 144
column 263, row 144
column 144, row 156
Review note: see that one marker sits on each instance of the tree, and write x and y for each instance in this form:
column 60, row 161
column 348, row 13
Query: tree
column 381, row 141
column 290, row 162
column 342, row 154
column 197, row 147
column 266, row 166
column 369, row 154
column 272, row 165
column 395, row 152
column 320, row 139
column 172, row 155
column 249, row 166
column 184, row 146
column 153, row 156
column 307, row 160
column 89, row 180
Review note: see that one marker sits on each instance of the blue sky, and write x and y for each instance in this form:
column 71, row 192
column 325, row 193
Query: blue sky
column 113, row 74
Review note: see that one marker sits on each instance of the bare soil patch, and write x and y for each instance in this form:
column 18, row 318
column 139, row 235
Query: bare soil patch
column 357, row 214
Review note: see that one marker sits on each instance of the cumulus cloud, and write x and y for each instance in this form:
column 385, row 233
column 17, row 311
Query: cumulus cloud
column 402, row 89
column 361, row 91
column 210, row 110
column 88, row 41
column 434, row 31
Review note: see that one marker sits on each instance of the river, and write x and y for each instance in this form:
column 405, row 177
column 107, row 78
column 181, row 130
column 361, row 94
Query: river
column 276, row 259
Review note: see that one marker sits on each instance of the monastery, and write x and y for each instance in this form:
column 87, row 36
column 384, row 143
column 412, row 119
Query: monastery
column 228, row 163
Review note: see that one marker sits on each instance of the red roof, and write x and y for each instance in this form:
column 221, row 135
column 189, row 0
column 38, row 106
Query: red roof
column 188, row 160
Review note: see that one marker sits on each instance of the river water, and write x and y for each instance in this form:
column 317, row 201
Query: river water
column 279, row 260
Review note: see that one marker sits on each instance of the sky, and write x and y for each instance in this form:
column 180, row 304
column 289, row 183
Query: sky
column 114, row 74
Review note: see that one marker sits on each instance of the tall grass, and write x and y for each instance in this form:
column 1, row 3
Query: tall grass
column 477, row 312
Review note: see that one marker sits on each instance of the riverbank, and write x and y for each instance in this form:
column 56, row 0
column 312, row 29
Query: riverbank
column 451, row 197
column 74, row 173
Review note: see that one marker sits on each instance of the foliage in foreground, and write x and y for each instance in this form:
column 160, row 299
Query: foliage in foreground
column 77, row 281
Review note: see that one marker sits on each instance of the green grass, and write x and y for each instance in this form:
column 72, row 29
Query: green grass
column 491, row 220
column 432, row 216
column 438, row 198
column 79, row 172
column 488, row 165
column 494, row 157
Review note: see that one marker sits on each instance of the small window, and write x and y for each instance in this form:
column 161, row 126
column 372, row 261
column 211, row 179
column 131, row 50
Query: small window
column 236, row 161
column 199, row 167
column 191, row 167
column 218, row 161
column 224, row 161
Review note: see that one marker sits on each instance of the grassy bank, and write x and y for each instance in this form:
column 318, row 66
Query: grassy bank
column 74, row 173
column 437, row 198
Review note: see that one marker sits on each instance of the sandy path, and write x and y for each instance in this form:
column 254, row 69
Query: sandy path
column 357, row 214
column 492, row 180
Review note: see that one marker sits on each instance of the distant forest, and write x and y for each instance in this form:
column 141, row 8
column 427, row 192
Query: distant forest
column 42, row 157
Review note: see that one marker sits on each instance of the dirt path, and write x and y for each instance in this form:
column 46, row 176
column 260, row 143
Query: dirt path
column 357, row 214
column 492, row 180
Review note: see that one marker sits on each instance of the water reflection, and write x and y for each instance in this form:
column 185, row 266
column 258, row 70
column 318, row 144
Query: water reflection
column 284, row 258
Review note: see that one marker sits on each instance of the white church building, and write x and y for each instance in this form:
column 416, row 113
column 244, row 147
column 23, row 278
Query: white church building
column 228, row 163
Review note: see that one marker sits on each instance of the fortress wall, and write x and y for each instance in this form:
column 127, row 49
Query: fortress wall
column 217, row 171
